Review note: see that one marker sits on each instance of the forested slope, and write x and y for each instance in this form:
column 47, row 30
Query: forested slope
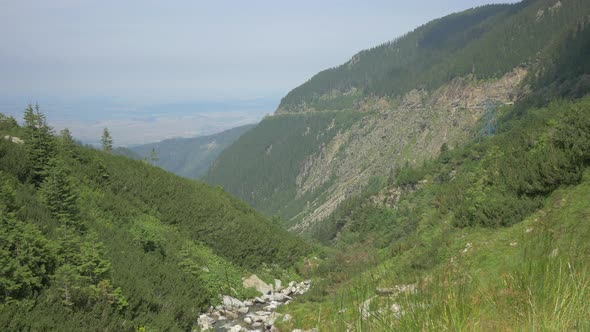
column 486, row 42
column 189, row 157
column 430, row 88
column 92, row 241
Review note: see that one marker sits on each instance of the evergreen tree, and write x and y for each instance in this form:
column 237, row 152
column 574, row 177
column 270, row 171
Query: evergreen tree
column 39, row 141
column 59, row 195
column 107, row 141
column 67, row 142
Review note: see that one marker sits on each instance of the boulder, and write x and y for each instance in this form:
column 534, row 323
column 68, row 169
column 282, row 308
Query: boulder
column 254, row 282
column 287, row 291
column 278, row 285
column 243, row 310
column 205, row 322
column 229, row 301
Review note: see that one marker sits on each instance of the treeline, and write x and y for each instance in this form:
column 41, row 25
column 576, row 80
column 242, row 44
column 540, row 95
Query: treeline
column 92, row 241
column 471, row 42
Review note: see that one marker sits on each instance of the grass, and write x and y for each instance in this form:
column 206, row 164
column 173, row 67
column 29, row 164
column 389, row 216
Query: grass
column 532, row 276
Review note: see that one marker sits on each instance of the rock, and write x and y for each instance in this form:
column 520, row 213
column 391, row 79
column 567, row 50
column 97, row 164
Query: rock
column 278, row 285
column 205, row 322
column 258, row 318
column 229, row 301
column 307, row 282
column 231, row 315
column 235, row 328
column 248, row 320
column 254, row 282
column 384, row 291
column 259, row 300
column 287, row 291
column 243, row 310
column 279, row 297
column 292, row 284
column 249, row 303
column 287, row 318
column 257, row 325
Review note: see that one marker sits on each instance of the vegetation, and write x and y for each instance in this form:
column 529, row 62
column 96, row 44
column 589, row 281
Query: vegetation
column 262, row 166
column 92, row 241
column 492, row 236
column 472, row 42
column 188, row 157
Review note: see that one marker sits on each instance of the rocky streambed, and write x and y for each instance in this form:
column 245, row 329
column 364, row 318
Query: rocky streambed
column 256, row 314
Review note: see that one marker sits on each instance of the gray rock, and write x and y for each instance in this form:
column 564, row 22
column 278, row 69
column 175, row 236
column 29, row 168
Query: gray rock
column 248, row 320
column 254, row 282
column 229, row 301
column 278, row 285
column 205, row 322
column 243, row 310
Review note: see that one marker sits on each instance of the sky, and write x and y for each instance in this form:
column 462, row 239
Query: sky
column 135, row 54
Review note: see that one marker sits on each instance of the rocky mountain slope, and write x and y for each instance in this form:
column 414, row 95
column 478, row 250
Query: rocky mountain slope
column 440, row 84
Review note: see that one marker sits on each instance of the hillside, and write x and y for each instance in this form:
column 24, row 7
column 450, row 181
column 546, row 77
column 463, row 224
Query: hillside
column 459, row 71
column 91, row 241
column 189, row 157
column 492, row 237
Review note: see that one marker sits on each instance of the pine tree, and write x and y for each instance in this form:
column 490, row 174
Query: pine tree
column 59, row 195
column 39, row 141
column 106, row 140
column 67, row 143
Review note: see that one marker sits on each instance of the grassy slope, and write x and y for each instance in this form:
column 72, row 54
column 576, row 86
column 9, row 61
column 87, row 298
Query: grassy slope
column 495, row 277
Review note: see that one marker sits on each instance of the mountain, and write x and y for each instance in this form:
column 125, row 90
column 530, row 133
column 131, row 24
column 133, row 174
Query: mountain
column 356, row 125
column 93, row 241
column 188, row 157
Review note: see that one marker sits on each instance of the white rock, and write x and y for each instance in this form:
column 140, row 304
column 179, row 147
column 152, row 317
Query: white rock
column 287, row 318
column 248, row 320
column 243, row 310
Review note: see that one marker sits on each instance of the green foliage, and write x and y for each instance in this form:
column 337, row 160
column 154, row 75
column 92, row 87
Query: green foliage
column 39, row 142
column 472, row 42
column 58, row 194
column 262, row 166
column 148, row 232
column 98, row 243
column 106, row 140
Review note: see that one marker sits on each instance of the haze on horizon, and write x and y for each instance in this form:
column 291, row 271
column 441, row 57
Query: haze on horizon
column 154, row 52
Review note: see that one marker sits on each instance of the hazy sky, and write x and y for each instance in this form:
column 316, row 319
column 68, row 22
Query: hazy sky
column 169, row 51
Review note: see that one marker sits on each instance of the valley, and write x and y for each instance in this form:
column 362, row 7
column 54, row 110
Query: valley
column 438, row 181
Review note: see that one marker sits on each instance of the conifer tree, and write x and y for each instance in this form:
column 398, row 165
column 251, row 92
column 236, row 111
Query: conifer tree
column 67, row 143
column 39, row 141
column 107, row 141
column 58, row 194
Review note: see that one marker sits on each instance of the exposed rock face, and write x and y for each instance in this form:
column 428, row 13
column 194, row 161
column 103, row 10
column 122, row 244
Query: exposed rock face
column 254, row 282
column 395, row 131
